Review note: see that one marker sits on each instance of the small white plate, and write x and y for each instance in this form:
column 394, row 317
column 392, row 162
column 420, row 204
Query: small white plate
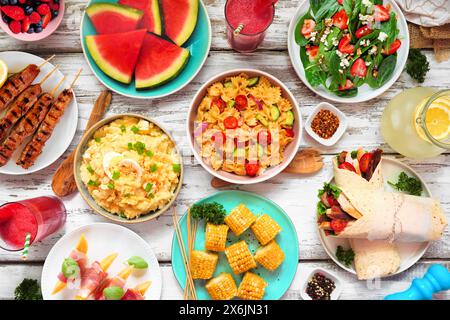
column 410, row 252
column 103, row 240
column 65, row 129
column 340, row 130
column 365, row 93
column 337, row 282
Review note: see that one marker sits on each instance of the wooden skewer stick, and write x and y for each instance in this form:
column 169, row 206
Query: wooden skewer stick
column 48, row 75
column 48, row 59
column 52, row 93
column 76, row 78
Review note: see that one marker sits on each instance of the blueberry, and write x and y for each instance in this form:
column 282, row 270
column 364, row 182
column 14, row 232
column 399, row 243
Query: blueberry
column 55, row 13
column 56, row 1
column 36, row 4
column 13, row 2
column 39, row 24
column 3, row 2
column 38, row 29
column 29, row 10
column 30, row 30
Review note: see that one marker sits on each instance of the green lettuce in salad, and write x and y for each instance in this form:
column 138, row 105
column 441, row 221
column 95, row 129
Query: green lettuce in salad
column 347, row 43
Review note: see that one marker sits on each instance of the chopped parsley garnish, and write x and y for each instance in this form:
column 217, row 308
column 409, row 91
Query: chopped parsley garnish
column 148, row 187
column 110, row 185
column 408, row 184
column 330, row 189
column 135, row 129
column 93, row 183
column 89, row 169
column 116, row 175
column 345, row 256
column 210, row 212
column 417, row 65
column 123, row 128
column 97, row 139
column 176, row 167
column 149, row 153
column 28, row 289
column 154, row 167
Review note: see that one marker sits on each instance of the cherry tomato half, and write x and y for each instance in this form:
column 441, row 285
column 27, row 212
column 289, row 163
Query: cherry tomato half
column 364, row 163
column 219, row 103
column 230, row 122
column 241, row 102
column 347, row 166
column 251, row 169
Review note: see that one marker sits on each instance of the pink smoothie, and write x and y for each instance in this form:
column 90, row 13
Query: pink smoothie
column 256, row 15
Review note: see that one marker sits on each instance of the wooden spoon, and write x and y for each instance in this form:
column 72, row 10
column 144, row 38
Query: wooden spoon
column 306, row 161
column 63, row 182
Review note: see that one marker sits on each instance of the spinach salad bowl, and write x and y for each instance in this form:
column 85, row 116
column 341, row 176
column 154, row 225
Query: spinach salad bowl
column 374, row 39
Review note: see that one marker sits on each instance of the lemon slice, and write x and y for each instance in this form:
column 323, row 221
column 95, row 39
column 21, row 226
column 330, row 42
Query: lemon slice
column 437, row 119
column 3, row 72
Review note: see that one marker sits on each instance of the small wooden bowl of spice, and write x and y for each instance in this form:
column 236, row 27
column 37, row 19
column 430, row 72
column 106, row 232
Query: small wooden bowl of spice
column 321, row 285
column 326, row 124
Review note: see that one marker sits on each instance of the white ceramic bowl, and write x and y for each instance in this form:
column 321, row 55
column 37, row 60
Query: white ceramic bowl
column 289, row 152
column 336, row 292
column 365, row 93
column 340, row 130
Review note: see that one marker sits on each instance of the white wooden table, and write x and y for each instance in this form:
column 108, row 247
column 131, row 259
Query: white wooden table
column 295, row 194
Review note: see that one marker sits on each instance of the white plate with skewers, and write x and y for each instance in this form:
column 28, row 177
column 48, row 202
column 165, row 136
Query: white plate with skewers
column 64, row 131
column 126, row 254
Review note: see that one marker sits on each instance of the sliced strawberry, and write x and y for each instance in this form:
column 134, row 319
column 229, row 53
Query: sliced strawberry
column 348, row 85
column 338, row 225
column 14, row 12
column 15, row 26
column 241, row 102
column 393, row 48
column 219, row 103
column 289, row 132
column 364, row 163
column 308, row 27
column 46, row 19
column 43, row 9
column 359, row 68
column 35, row 17
column 26, row 24
column 312, row 52
column 230, row 122
column 252, row 169
column 345, row 46
column 347, row 166
column 363, row 31
column 340, row 19
column 381, row 13
column 264, row 138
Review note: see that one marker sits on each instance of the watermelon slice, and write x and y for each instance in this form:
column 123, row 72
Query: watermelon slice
column 113, row 18
column 180, row 18
column 152, row 16
column 116, row 54
column 159, row 62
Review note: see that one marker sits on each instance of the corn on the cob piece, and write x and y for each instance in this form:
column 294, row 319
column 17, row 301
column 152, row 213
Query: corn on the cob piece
column 239, row 257
column 240, row 219
column 222, row 287
column 203, row 264
column 216, row 237
column 252, row 287
column 270, row 256
column 265, row 229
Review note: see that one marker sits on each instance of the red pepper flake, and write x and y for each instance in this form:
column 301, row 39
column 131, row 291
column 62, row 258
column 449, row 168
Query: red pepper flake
column 325, row 124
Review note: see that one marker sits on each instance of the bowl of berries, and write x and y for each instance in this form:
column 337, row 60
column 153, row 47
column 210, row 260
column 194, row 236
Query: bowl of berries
column 30, row 20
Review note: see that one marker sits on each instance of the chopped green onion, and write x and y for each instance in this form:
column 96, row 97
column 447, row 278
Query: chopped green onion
column 139, row 147
column 149, row 153
column 123, row 128
column 89, row 168
column 130, row 146
column 93, row 183
column 116, row 175
column 135, row 129
column 148, row 187
column 110, row 185
column 154, row 167
column 176, row 167
column 97, row 139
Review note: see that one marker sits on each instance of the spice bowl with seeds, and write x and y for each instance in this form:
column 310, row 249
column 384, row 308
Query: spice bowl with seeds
column 321, row 284
column 326, row 124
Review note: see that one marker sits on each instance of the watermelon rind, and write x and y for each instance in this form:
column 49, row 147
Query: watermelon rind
column 129, row 12
column 189, row 25
column 156, row 12
column 164, row 77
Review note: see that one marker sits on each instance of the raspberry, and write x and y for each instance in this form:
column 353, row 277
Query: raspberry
column 15, row 26
column 14, row 12
column 35, row 17
column 43, row 9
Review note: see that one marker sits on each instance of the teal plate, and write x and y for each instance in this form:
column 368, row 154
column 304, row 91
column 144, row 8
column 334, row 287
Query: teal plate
column 198, row 44
column 280, row 280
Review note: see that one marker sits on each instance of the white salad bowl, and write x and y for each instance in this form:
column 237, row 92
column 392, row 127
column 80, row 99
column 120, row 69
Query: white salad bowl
column 365, row 93
column 289, row 152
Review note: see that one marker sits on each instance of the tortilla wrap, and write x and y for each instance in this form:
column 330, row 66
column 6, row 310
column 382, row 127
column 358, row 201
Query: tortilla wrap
column 389, row 216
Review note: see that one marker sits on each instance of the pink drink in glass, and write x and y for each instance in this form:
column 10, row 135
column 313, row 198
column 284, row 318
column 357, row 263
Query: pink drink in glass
column 255, row 15
column 40, row 217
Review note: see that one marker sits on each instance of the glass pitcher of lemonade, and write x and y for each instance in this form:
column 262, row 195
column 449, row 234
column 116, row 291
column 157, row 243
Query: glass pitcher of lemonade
column 416, row 123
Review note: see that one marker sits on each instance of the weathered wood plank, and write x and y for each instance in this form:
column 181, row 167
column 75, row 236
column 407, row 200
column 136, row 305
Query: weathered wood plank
column 352, row 288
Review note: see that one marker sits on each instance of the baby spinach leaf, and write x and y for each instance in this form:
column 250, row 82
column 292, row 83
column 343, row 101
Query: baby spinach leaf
column 338, row 77
column 327, row 10
column 386, row 69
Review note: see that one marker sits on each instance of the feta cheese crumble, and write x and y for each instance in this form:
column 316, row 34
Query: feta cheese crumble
column 382, row 36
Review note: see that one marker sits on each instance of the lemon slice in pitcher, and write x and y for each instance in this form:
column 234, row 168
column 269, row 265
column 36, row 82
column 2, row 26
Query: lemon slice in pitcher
column 3, row 72
column 437, row 119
